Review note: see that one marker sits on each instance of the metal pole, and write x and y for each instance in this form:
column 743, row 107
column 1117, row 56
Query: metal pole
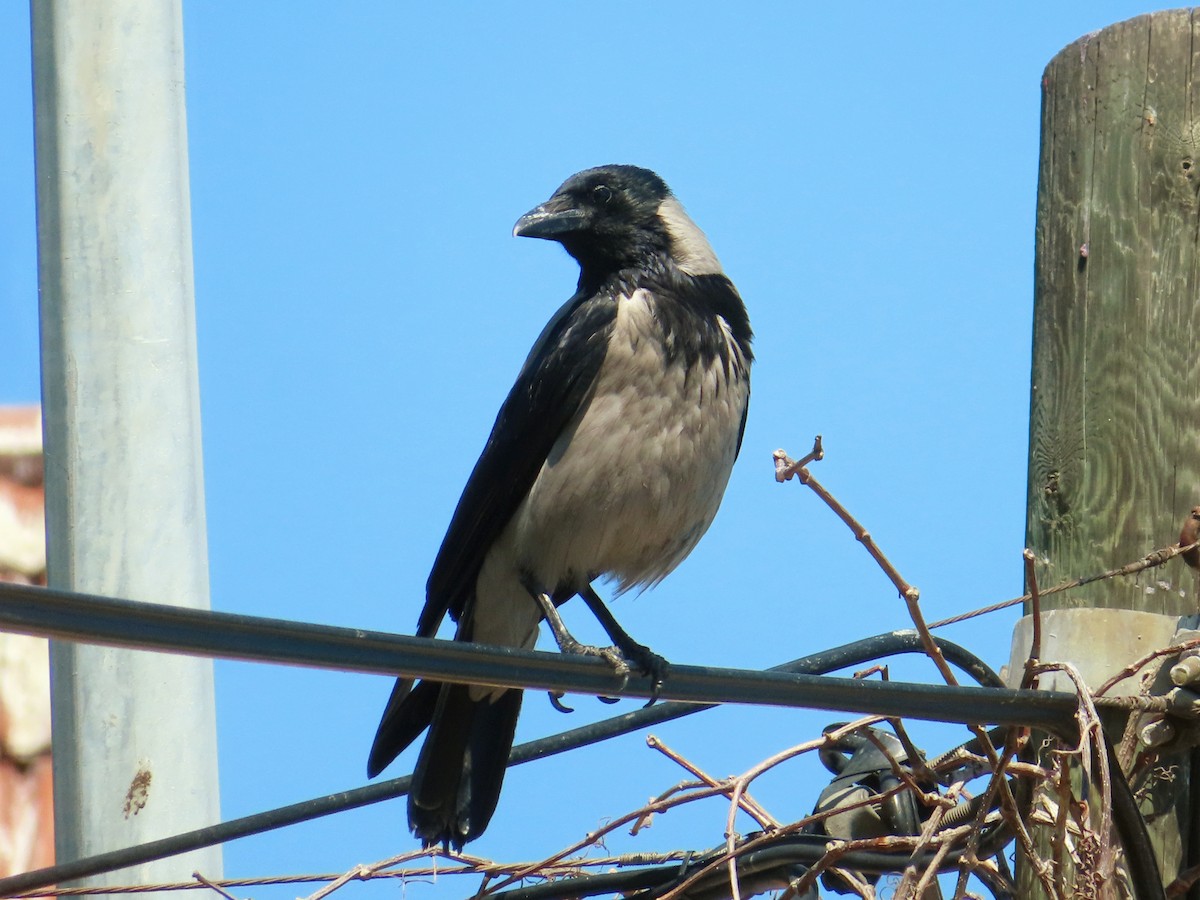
column 134, row 733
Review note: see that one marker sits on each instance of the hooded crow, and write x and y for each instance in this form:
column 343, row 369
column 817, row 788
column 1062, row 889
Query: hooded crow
column 608, row 458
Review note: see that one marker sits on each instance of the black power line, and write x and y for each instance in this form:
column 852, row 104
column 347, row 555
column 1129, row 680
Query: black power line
column 92, row 619
column 67, row 615
column 854, row 654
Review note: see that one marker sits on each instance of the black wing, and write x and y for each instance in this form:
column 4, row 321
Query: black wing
column 553, row 385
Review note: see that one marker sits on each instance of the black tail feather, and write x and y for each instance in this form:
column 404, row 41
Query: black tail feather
column 491, row 743
column 460, row 770
column 408, row 712
column 439, row 780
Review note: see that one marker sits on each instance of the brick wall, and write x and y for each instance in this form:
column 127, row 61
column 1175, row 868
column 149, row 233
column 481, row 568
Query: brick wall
column 26, row 799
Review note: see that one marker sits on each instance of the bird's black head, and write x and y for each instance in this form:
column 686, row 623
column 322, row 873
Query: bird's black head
column 616, row 217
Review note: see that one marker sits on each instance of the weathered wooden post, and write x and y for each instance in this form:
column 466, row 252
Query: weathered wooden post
column 1114, row 454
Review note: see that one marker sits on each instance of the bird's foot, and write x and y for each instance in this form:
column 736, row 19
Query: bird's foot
column 611, row 655
column 633, row 657
column 568, row 644
column 647, row 662
column 637, row 656
column 625, row 656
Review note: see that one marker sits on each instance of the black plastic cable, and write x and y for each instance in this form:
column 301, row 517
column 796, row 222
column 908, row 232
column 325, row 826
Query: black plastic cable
column 793, row 850
column 846, row 656
column 148, row 626
column 1144, row 873
column 67, row 615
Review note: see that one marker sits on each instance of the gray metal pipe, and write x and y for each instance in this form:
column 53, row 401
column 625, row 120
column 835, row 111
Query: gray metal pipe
column 134, row 733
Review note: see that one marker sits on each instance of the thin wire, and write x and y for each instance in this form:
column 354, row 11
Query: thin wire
column 1149, row 561
column 457, row 866
column 982, row 611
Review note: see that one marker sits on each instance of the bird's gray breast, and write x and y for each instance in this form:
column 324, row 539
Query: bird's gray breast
column 636, row 478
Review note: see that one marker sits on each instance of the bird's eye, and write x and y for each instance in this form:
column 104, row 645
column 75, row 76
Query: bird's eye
column 601, row 193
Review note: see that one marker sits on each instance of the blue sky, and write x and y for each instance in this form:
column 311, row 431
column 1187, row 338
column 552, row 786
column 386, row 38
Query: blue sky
column 867, row 174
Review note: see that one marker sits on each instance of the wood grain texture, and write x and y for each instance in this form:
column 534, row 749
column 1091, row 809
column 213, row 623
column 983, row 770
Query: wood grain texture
column 1114, row 450
column 1114, row 457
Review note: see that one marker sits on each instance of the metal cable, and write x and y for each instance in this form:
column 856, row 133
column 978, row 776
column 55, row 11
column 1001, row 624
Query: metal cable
column 66, row 615
column 853, row 654
column 147, row 626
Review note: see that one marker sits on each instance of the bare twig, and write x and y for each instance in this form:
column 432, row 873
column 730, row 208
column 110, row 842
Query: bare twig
column 644, row 820
column 793, row 468
column 1127, row 747
column 1184, row 882
column 216, row 887
column 661, row 805
column 358, row 873
column 1091, row 752
column 742, row 782
column 593, row 837
column 1008, row 803
column 785, row 468
column 830, row 737
column 928, row 875
column 931, row 827
column 1139, row 703
column 891, row 843
column 1137, row 665
column 746, row 802
column 879, row 669
column 932, row 800
column 916, row 760
column 998, row 788
column 1029, row 680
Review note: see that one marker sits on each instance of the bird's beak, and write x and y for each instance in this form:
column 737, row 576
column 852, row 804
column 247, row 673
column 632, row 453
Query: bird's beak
column 553, row 218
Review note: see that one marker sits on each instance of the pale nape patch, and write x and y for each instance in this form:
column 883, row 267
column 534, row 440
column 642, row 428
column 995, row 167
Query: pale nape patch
column 689, row 247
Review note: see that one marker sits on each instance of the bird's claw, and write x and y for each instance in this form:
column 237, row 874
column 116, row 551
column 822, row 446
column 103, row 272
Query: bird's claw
column 651, row 664
column 624, row 660
column 615, row 658
column 556, row 702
